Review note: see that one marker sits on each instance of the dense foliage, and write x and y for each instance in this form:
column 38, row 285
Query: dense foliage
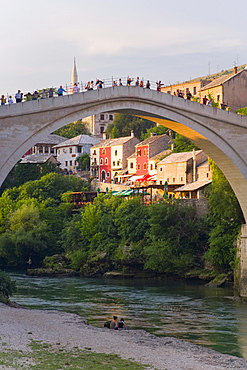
column 182, row 144
column 23, row 172
column 32, row 217
column 73, row 129
column 123, row 124
column 225, row 218
column 7, row 286
column 36, row 220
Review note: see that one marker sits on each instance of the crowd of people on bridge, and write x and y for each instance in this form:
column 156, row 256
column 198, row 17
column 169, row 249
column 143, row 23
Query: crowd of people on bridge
column 98, row 84
column 90, row 85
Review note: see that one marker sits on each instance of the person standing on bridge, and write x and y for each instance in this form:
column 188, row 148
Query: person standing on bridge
column 147, row 84
column 159, row 84
column 18, row 96
column 120, row 82
column 50, row 92
column 3, row 100
column 10, row 100
column 75, row 88
column 60, row 91
column 129, row 80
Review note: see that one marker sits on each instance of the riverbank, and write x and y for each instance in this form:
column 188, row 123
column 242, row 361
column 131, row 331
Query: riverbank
column 19, row 327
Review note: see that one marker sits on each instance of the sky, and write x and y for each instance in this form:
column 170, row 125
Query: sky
column 172, row 41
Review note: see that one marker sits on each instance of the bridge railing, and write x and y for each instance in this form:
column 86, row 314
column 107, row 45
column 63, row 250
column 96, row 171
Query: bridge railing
column 107, row 82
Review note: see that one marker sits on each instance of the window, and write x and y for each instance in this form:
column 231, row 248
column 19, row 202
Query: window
column 145, row 166
column 194, row 90
column 46, row 149
column 94, row 152
column 58, row 152
column 103, row 151
column 218, row 97
column 118, row 163
column 70, row 150
column 151, row 166
column 110, row 117
column 66, row 163
column 167, row 179
column 115, row 152
column 106, row 160
column 138, row 152
column 160, row 182
column 79, row 148
column 131, row 165
column 182, row 179
column 113, row 163
column 161, row 169
column 75, row 163
column 145, row 152
column 102, row 129
column 173, row 179
column 102, row 117
column 108, row 174
column 70, row 163
column 138, row 166
column 101, row 161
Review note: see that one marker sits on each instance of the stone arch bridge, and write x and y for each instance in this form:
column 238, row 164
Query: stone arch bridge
column 221, row 135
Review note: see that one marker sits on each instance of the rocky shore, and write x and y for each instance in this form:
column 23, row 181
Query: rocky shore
column 20, row 326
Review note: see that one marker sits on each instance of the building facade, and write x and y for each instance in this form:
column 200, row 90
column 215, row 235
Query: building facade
column 147, row 149
column 109, row 157
column 97, row 124
column 68, row 151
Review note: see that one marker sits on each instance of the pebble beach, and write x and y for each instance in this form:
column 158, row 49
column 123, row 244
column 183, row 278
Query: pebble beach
column 20, row 326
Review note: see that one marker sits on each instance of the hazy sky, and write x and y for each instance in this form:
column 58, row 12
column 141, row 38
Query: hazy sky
column 156, row 39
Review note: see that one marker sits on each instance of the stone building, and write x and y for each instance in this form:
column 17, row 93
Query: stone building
column 97, row 124
column 229, row 89
column 147, row 149
column 46, row 145
column 180, row 169
column 109, row 157
column 68, row 151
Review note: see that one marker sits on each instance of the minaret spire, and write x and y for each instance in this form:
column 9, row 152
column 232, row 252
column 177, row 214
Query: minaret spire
column 74, row 75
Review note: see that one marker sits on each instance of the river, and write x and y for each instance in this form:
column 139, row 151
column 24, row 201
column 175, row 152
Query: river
column 207, row 316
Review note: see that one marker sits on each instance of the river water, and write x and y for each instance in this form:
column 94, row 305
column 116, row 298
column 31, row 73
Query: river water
column 207, row 316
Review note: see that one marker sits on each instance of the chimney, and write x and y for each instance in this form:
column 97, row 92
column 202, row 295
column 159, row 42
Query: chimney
column 153, row 134
column 132, row 133
column 194, row 165
column 235, row 69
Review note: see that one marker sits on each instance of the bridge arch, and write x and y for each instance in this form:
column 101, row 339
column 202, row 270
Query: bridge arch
column 220, row 134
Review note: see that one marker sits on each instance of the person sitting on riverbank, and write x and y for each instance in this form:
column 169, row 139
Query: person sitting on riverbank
column 121, row 324
column 114, row 323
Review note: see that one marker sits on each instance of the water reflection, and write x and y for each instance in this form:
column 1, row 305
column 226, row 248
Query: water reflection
column 187, row 311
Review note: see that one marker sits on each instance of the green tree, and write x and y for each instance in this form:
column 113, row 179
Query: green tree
column 73, row 129
column 7, row 286
column 23, row 172
column 182, row 144
column 158, row 130
column 131, row 218
column 25, row 236
column 84, row 162
column 225, row 217
column 176, row 239
column 123, row 124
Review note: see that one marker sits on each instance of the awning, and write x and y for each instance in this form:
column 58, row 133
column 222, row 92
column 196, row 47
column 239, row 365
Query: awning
column 135, row 178
column 147, row 178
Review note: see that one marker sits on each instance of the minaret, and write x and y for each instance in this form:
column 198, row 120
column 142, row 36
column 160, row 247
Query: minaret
column 74, row 75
